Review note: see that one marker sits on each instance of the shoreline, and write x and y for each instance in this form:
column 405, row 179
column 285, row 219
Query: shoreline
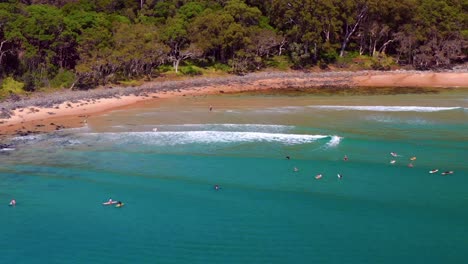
column 68, row 109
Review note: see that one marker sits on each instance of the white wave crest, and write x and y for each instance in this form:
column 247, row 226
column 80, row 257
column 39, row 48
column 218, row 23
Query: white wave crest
column 203, row 137
column 334, row 141
column 7, row 149
column 380, row 108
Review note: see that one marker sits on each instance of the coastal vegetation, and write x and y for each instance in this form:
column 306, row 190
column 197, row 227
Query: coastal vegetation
column 82, row 44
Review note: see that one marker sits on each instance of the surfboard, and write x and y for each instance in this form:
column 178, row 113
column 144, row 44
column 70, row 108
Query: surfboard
column 109, row 203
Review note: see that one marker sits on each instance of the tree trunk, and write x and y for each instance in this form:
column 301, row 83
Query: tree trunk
column 350, row 29
column 176, row 65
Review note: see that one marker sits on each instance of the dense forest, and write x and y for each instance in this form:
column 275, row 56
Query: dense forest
column 81, row 44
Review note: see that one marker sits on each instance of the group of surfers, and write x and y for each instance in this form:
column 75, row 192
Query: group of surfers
column 410, row 165
column 318, row 176
column 394, row 154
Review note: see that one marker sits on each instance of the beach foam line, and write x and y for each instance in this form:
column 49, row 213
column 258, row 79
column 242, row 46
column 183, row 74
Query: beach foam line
column 381, row 108
column 204, row 137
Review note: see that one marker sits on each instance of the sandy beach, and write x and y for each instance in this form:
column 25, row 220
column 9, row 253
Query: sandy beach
column 71, row 109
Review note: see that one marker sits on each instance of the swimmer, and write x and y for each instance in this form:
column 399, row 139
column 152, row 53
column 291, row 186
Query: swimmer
column 296, row 169
column 413, row 158
column 447, row 172
column 392, row 161
column 216, row 187
column 410, row 165
column 339, row 176
column 434, row 171
column 318, row 177
column 394, row 154
column 13, row 202
column 287, row 157
column 345, row 158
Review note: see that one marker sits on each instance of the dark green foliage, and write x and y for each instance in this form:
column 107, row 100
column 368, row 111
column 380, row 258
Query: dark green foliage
column 190, row 70
column 85, row 43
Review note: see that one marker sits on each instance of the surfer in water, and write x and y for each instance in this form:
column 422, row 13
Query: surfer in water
column 13, row 202
column 345, row 158
column 296, row 169
column 216, row 187
column 287, row 157
column 447, row 172
column 394, row 154
column 339, row 176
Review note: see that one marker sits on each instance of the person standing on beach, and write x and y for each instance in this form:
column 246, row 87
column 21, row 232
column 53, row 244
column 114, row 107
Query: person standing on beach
column 211, row 108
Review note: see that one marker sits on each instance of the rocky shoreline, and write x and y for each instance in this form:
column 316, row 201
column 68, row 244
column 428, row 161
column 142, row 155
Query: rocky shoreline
column 54, row 99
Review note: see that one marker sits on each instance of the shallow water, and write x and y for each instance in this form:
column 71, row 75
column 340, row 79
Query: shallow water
column 163, row 159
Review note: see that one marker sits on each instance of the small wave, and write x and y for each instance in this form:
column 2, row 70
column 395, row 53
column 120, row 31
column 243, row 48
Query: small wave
column 7, row 149
column 379, row 108
column 390, row 120
column 334, row 141
column 204, row 137
column 227, row 127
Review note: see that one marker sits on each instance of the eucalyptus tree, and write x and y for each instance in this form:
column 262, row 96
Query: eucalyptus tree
column 46, row 42
column 175, row 34
column 8, row 46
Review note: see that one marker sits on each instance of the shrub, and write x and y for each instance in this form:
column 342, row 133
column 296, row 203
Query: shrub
column 221, row 67
column 10, row 85
column 190, row 70
column 279, row 62
column 164, row 68
column 64, row 79
column 382, row 62
column 131, row 83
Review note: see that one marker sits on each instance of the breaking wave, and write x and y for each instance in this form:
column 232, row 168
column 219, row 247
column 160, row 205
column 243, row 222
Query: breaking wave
column 208, row 137
column 379, row 108
column 334, row 141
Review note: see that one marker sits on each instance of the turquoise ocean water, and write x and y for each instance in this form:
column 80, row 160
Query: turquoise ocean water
column 163, row 159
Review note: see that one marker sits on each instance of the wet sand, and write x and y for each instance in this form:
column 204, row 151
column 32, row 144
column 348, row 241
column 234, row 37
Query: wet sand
column 31, row 119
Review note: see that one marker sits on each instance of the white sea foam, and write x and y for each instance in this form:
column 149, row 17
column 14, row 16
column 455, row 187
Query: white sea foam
column 334, row 141
column 204, row 137
column 7, row 149
column 390, row 120
column 380, row 108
